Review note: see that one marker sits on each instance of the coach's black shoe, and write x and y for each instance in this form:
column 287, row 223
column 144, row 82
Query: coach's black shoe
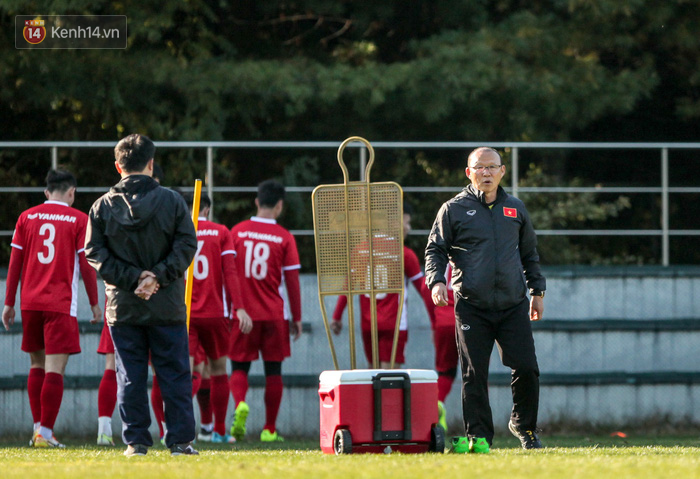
column 136, row 450
column 528, row 439
column 183, row 450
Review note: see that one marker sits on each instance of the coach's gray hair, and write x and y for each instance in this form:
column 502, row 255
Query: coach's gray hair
column 482, row 149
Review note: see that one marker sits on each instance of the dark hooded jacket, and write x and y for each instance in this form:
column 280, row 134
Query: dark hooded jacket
column 493, row 251
column 137, row 226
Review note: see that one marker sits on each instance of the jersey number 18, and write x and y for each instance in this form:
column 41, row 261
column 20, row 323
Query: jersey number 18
column 256, row 256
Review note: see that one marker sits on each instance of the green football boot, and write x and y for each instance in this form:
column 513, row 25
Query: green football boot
column 478, row 445
column 238, row 426
column 460, row 444
column 267, row 436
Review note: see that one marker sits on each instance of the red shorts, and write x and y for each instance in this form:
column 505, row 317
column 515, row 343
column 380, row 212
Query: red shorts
column 57, row 333
column 386, row 342
column 212, row 334
column 271, row 338
column 106, row 345
column 446, row 355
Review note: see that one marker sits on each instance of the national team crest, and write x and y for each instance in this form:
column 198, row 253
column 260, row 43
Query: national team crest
column 34, row 31
column 510, row 212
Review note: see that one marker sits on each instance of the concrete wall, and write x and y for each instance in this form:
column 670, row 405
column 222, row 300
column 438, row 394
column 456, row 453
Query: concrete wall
column 572, row 295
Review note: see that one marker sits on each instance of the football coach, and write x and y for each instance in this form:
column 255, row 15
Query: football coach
column 487, row 236
column 140, row 239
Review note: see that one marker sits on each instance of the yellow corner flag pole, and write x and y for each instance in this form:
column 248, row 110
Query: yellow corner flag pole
column 190, row 270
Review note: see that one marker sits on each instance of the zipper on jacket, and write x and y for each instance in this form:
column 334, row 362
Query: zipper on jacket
column 495, row 254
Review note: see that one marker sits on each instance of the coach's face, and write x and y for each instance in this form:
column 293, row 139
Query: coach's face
column 485, row 170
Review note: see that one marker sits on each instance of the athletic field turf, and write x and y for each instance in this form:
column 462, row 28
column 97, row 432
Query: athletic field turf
column 566, row 458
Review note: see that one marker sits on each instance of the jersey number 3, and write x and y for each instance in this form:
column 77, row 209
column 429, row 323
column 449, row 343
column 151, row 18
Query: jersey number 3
column 50, row 230
column 256, row 256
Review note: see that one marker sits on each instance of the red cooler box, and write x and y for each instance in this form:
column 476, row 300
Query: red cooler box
column 379, row 410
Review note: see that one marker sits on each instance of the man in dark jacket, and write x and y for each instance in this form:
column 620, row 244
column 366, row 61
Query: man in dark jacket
column 141, row 239
column 487, row 236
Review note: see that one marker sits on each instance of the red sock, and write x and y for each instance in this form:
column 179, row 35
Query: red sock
column 107, row 394
column 239, row 385
column 196, row 382
column 35, row 382
column 219, row 400
column 51, row 397
column 157, row 405
column 444, row 384
column 273, row 399
column 204, row 400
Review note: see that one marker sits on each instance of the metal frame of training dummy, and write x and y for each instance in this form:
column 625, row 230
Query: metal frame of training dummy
column 358, row 228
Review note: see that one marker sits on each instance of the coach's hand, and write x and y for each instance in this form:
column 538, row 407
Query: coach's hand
column 148, row 285
column 536, row 308
column 295, row 329
column 336, row 326
column 8, row 317
column 245, row 324
column 439, row 294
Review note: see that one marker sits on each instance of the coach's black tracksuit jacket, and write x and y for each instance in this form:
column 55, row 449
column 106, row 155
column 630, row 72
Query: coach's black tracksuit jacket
column 493, row 250
column 139, row 225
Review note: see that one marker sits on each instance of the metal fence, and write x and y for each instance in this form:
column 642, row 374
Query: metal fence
column 618, row 347
column 664, row 190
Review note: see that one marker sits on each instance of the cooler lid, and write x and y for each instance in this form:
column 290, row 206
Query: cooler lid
column 364, row 376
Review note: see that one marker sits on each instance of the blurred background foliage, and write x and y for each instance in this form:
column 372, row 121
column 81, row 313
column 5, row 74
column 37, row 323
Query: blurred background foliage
column 505, row 70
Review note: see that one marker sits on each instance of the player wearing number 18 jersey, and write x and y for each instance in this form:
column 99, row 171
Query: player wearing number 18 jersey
column 267, row 260
column 48, row 254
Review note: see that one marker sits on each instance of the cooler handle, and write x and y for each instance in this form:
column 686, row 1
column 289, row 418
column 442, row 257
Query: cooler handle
column 325, row 395
column 392, row 380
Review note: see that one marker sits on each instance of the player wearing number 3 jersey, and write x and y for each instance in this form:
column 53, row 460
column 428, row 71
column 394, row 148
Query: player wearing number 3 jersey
column 47, row 254
column 266, row 260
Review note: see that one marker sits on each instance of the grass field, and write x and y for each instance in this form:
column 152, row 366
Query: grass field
column 564, row 457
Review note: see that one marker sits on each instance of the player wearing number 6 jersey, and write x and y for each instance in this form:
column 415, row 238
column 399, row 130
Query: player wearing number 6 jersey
column 47, row 254
column 267, row 260
column 215, row 286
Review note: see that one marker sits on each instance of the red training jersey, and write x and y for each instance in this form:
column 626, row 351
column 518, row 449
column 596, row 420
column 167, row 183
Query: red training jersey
column 445, row 315
column 50, row 239
column 265, row 251
column 211, row 295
